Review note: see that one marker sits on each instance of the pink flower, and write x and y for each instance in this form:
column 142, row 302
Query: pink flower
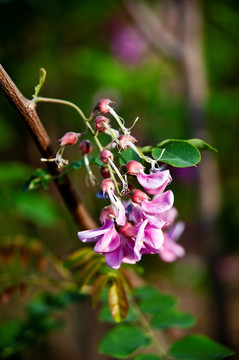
column 123, row 253
column 156, row 182
column 149, row 239
column 107, row 238
column 171, row 250
column 69, row 138
column 159, row 204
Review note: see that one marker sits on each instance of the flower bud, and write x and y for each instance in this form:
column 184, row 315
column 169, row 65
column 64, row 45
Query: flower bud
column 127, row 230
column 106, row 213
column 105, row 155
column 138, row 196
column 99, row 123
column 104, row 172
column 125, row 141
column 133, row 167
column 69, row 138
column 85, row 147
column 107, row 185
column 103, row 106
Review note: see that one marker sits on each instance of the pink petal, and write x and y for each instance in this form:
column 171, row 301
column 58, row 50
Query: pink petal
column 93, row 235
column 156, row 182
column 139, row 241
column 108, row 242
column 159, row 204
column 169, row 216
column 171, row 251
column 176, row 231
column 153, row 237
column 120, row 213
column 113, row 259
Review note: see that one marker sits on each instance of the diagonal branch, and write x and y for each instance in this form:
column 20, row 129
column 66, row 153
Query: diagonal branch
column 28, row 111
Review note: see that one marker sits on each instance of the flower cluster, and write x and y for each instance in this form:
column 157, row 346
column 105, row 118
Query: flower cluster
column 139, row 220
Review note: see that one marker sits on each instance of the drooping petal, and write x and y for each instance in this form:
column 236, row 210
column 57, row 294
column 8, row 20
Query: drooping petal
column 153, row 237
column 128, row 256
column 169, row 216
column 107, row 242
column 156, row 182
column 118, row 208
column 159, row 204
column 176, row 231
column 171, row 251
column 93, row 235
column 113, row 259
column 139, row 241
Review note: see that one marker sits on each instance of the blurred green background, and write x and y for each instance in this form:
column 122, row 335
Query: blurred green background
column 175, row 65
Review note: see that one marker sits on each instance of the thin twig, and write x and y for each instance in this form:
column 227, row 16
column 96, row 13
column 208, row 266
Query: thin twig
column 27, row 109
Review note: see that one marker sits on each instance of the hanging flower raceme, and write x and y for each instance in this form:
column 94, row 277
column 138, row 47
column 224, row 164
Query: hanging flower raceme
column 140, row 218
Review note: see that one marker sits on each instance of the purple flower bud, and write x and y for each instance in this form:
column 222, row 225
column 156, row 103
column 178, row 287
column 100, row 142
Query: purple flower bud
column 138, row 196
column 107, row 185
column 85, row 147
column 104, row 172
column 105, row 155
column 128, row 230
column 103, row 106
column 69, row 138
column 133, row 167
column 107, row 213
column 99, row 123
column 125, row 141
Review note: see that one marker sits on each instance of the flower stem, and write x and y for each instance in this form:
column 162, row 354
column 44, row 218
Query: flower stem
column 63, row 102
column 146, row 325
column 86, row 120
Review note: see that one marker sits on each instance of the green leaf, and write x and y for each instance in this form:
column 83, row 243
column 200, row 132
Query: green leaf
column 98, row 287
column 13, row 172
column 145, row 149
column 40, row 177
column 118, row 301
column 79, row 257
column 201, row 145
column 85, row 275
column 144, row 292
column 198, row 347
column 105, row 315
column 98, row 161
column 172, row 317
column 128, row 155
column 147, row 357
column 9, row 332
column 38, row 208
column 151, row 300
column 123, row 340
column 76, row 164
column 178, row 153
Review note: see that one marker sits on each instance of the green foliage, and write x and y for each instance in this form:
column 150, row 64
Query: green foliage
column 106, row 316
column 38, row 208
column 40, row 177
column 198, row 347
column 152, row 301
column 118, row 301
column 123, row 340
column 127, row 155
column 147, row 357
column 179, row 153
column 172, row 317
column 42, row 317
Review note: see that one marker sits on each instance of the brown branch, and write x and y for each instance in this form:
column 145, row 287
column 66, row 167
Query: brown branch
column 28, row 111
